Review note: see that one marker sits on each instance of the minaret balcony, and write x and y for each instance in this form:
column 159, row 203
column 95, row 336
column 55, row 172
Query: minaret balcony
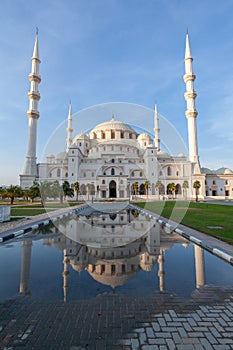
column 35, row 77
column 190, row 95
column 189, row 77
column 34, row 95
column 191, row 114
column 33, row 114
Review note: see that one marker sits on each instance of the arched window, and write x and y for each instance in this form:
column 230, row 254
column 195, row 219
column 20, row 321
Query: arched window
column 177, row 173
column 122, row 135
column 112, row 171
column 214, row 182
column 103, row 182
column 227, row 182
column 112, row 134
column 66, row 175
column 58, row 172
column 113, row 160
column 169, row 171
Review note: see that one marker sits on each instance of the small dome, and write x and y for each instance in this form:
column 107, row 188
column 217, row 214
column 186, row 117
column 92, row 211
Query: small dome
column 61, row 155
column 163, row 154
column 81, row 136
column 144, row 136
column 228, row 171
column 180, row 155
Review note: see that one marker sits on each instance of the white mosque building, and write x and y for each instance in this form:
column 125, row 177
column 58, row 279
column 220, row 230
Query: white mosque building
column 109, row 159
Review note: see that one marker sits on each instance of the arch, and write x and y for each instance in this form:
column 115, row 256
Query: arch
column 142, row 189
column 112, row 189
column 83, row 189
column 153, row 189
column 178, row 189
column 162, row 189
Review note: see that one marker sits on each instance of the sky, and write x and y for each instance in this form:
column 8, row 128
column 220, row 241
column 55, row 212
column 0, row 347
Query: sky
column 100, row 51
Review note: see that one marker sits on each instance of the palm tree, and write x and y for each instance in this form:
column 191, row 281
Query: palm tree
column 185, row 187
column 33, row 192
column 172, row 189
column 196, row 185
column 76, row 188
column 158, row 185
column 147, row 186
column 67, row 189
column 135, row 187
column 13, row 192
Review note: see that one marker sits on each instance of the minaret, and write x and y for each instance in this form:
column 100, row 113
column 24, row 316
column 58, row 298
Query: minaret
column 65, row 275
column 161, row 270
column 156, row 129
column 191, row 112
column 33, row 113
column 69, row 129
column 25, row 267
column 199, row 266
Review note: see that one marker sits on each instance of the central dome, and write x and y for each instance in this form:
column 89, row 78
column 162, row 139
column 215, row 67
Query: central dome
column 112, row 125
column 112, row 129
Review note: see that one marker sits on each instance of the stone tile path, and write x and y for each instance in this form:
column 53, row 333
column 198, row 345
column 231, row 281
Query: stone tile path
column 111, row 321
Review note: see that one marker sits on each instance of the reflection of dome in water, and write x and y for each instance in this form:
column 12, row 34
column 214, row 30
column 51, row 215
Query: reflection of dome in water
column 112, row 280
column 78, row 266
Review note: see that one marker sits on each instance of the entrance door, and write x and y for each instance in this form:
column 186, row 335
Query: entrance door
column 112, row 189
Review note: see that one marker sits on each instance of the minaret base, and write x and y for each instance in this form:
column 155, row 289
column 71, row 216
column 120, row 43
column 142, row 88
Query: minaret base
column 26, row 181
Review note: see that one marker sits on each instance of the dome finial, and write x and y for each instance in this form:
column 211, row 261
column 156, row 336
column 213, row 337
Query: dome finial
column 113, row 117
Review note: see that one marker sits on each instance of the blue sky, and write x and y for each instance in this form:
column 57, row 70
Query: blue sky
column 101, row 51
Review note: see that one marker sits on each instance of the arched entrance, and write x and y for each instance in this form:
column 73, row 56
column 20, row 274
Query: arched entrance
column 112, row 189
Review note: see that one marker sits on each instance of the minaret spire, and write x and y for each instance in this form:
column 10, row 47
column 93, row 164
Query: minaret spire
column 33, row 115
column 156, row 128
column 191, row 112
column 69, row 128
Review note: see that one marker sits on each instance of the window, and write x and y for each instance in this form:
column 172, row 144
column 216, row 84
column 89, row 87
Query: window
column 214, row 182
column 103, row 182
column 130, row 136
column 169, row 171
column 80, row 144
column 72, row 152
column 84, row 175
column 140, row 173
column 177, row 173
column 103, row 135
column 66, row 175
column 72, row 159
column 50, row 174
column 122, row 135
column 58, row 172
column 227, row 182
column 112, row 134
column 92, row 174
column 112, row 171
column 113, row 160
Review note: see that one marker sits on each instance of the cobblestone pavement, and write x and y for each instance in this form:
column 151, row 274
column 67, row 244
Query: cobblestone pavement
column 111, row 321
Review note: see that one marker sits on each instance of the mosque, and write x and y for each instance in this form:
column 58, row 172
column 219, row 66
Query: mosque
column 109, row 159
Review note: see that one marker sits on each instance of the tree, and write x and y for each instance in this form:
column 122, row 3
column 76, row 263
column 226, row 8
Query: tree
column 196, row 185
column 45, row 191
column 135, row 187
column 158, row 185
column 67, row 189
column 33, row 192
column 57, row 191
column 76, row 188
column 185, row 187
column 172, row 189
column 13, row 192
column 147, row 186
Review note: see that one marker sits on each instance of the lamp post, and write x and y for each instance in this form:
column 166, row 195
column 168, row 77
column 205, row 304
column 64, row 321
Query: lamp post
column 128, row 186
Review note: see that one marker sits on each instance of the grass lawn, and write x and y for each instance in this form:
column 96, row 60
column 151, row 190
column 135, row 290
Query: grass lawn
column 198, row 216
column 36, row 209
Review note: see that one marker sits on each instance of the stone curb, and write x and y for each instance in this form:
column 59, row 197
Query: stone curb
column 39, row 223
column 215, row 251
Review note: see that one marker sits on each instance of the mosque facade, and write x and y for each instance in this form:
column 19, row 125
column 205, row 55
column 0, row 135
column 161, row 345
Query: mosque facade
column 109, row 159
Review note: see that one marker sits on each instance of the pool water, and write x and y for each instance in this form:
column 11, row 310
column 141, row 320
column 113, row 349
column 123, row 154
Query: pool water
column 121, row 253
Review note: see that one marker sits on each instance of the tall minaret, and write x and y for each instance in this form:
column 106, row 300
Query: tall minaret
column 156, row 129
column 69, row 129
column 33, row 113
column 25, row 267
column 191, row 112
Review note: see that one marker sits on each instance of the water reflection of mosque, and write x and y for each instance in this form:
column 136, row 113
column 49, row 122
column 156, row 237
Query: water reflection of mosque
column 138, row 244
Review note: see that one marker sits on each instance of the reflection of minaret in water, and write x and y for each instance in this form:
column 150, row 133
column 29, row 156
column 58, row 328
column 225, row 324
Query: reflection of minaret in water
column 65, row 275
column 161, row 272
column 25, row 268
column 199, row 266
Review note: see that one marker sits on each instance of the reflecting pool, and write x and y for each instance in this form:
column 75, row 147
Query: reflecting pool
column 123, row 253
